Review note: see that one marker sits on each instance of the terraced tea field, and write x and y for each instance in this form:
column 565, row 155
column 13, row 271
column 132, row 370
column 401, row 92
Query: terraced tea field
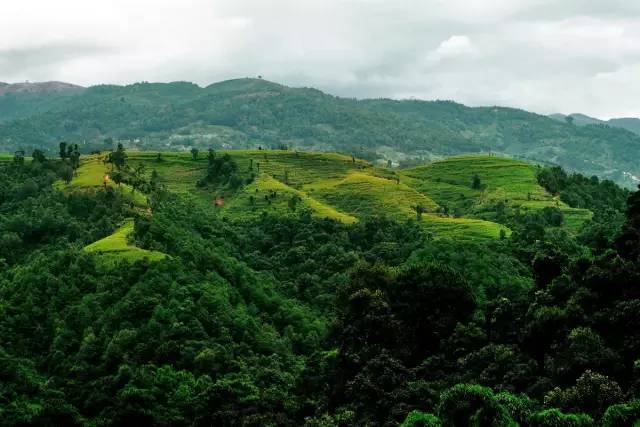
column 513, row 182
column 342, row 188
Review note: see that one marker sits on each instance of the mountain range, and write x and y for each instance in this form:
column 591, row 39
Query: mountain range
column 631, row 124
column 251, row 113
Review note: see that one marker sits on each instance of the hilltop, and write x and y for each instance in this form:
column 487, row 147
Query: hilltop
column 38, row 87
column 251, row 113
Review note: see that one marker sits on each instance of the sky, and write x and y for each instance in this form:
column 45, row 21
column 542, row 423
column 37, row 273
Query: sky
column 545, row 56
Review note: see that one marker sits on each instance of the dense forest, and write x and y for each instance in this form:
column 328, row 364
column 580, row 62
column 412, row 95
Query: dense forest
column 295, row 320
column 248, row 113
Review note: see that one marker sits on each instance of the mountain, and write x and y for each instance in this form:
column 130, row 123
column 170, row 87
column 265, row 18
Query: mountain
column 632, row 124
column 20, row 100
column 38, row 87
column 577, row 119
column 251, row 113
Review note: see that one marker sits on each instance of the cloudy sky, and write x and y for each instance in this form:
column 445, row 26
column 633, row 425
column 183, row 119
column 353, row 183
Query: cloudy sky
column 541, row 55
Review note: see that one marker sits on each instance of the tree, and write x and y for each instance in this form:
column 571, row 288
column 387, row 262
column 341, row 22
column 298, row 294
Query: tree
column 293, row 202
column 75, row 158
column 592, row 394
column 63, row 150
column 467, row 405
column 38, row 156
column 421, row 419
column 476, row 183
column 194, row 153
column 118, row 157
column 420, row 209
column 18, row 157
column 66, row 173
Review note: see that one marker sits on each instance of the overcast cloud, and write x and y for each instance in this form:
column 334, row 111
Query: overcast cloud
column 541, row 55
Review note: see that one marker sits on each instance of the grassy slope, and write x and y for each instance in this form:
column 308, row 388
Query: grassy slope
column 116, row 246
column 330, row 185
column 91, row 174
column 339, row 187
column 363, row 194
column 255, row 199
column 514, row 182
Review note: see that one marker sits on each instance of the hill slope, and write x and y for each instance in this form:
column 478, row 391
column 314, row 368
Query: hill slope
column 503, row 181
column 248, row 113
column 342, row 188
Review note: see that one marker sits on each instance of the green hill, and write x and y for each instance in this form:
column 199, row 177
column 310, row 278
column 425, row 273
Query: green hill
column 505, row 181
column 252, row 113
column 346, row 189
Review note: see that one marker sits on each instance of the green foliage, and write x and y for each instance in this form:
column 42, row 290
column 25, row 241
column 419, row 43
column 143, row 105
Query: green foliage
column 555, row 418
column 620, row 415
column 141, row 303
column 420, row 419
column 472, row 405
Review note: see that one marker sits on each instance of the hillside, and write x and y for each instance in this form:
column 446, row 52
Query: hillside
column 252, row 113
column 504, row 184
column 277, row 287
column 327, row 185
column 632, row 124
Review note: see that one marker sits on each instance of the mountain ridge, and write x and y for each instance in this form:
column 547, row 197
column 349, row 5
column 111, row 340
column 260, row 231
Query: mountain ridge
column 39, row 87
column 251, row 113
column 632, row 124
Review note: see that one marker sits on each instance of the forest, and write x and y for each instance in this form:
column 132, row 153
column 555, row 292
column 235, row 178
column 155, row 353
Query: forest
column 289, row 318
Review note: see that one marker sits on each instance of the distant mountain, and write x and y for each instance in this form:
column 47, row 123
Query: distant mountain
column 20, row 100
column 43, row 87
column 251, row 113
column 631, row 124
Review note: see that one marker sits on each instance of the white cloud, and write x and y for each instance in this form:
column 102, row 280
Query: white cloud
column 543, row 55
column 453, row 47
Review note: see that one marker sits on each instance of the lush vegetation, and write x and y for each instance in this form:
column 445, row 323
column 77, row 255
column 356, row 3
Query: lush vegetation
column 249, row 113
column 191, row 289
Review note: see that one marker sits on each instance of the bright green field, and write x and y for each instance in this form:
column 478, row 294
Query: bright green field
column 91, row 174
column 256, row 198
column 116, row 246
column 361, row 194
column 511, row 181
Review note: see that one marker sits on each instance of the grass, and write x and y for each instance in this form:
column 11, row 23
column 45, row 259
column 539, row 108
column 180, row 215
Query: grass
column 91, row 174
column 360, row 194
column 116, row 246
column 267, row 194
column 363, row 194
column 506, row 180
